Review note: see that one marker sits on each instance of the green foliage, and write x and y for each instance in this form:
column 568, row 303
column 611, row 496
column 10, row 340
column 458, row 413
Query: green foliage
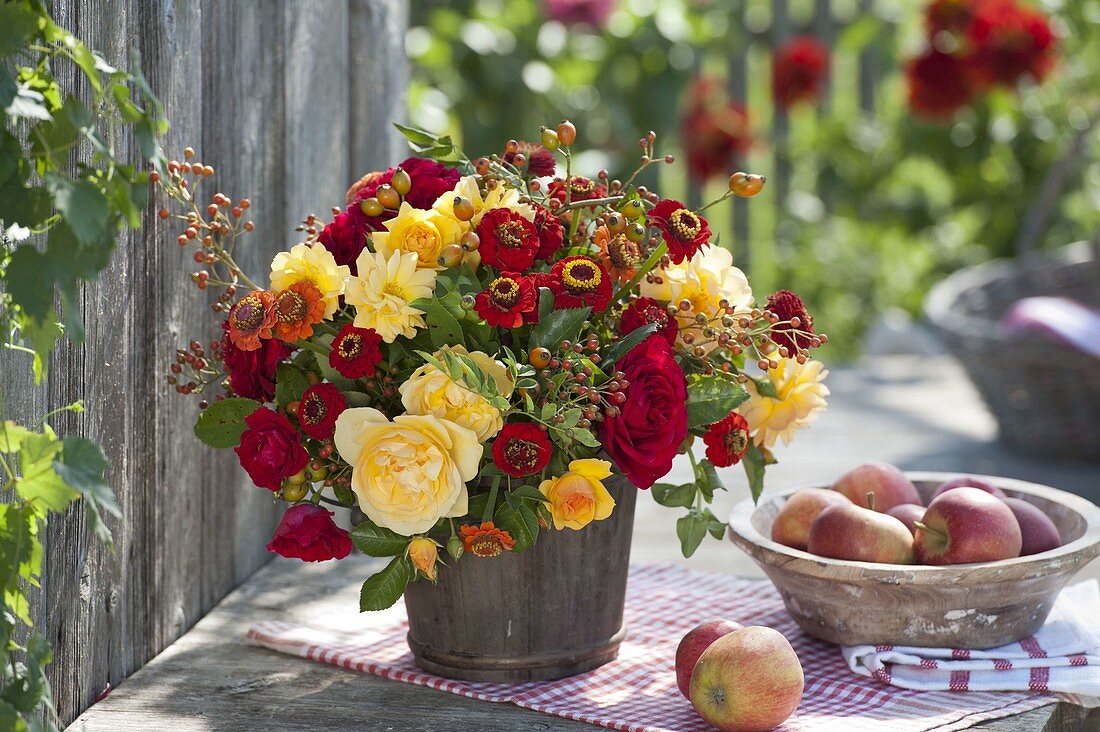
column 58, row 226
column 383, row 589
column 517, row 516
column 222, row 423
column 558, row 326
column 712, row 398
column 376, row 541
column 693, row 527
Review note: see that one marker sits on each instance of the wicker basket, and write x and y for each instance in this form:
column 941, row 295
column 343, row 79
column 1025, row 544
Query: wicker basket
column 1046, row 399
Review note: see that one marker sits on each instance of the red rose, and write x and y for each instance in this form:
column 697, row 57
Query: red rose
column 727, row 440
column 521, row 449
column 551, row 233
column 508, row 241
column 270, row 449
column 344, row 238
column 799, row 68
column 355, row 352
column 715, row 130
column 788, row 306
column 577, row 282
column 646, row 310
column 430, row 180
column 645, row 435
column 684, row 231
column 252, row 373
column 307, row 532
column 318, row 409
column 578, row 189
column 1010, row 41
column 509, row 301
column 939, row 84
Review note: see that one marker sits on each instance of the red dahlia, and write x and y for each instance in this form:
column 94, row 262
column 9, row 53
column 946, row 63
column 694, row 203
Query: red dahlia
column 684, row 231
column 509, row 301
column 939, row 84
column 551, row 233
column 1010, row 41
column 948, row 16
column 318, row 409
column 727, row 440
column 580, row 281
column 789, row 306
column 578, row 189
column 646, row 310
column 355, row 352
column 508, row 241
column 799, row 68
column 540, row 161
column 521, row 449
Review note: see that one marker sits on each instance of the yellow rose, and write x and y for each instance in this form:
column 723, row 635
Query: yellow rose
column 430, row 391
column 423, row 232
column 500, row 197
column 800, row 395
column 314, row 264
column 423, row 552
column 408, row 473
column 578, row 498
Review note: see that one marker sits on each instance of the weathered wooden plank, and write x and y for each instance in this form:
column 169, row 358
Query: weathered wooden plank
column 379, row 78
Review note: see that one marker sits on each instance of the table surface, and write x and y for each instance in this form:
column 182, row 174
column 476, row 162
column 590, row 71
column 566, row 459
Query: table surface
column 918, row 413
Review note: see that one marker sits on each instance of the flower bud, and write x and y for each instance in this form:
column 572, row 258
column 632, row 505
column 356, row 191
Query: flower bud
column 424, row 554
column 454, row 547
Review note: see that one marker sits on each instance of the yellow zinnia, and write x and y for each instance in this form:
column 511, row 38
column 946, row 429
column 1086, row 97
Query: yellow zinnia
column 408, row 473
column 382, row 291
column 314, row 264
column 430, row 391
column 579, row 497
column 419, row 231
column 800, row 395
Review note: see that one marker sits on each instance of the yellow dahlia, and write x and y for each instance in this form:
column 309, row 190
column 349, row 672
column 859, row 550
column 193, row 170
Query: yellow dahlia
column 500, row 197
column 382, row 291
column 423, row 232
column 800, row 395
column 430, row 391
column 314, row 264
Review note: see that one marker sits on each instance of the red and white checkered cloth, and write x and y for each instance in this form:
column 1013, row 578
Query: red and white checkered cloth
column 637, row 692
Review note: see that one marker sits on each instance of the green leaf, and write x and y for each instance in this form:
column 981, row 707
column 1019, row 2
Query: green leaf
column 765, row 387
column 376, row 541
column 82, row 204
column 546, row 303
column 691, row 529
column 416, row 135
column 17, row 23
column 81, row 465
column 520, row 521
column 385, row 588
column 222, row 423
column 712, row 398
column 11, row 436
column 754, row 462
column 674, row 496
column 29, row 281
column 290, row 384
column 706, row 477
column 558, row 326
column 530, row 492
column 621, row 347
column 443, row 328
column 40, row 483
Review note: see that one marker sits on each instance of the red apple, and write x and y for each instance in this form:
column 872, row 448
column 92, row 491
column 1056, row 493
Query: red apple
column 968, row 481
column 1037, row 531
column 792, row 524
column 847, row 531
column 966, row 525
column 697, row 640
column 749, row 680
column 907, row 513
column 887, row 482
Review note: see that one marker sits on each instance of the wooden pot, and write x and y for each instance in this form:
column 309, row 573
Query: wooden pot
column 552, row 611
column 954, row 606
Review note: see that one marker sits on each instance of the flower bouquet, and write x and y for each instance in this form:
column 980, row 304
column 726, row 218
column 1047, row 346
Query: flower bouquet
column 471, row 349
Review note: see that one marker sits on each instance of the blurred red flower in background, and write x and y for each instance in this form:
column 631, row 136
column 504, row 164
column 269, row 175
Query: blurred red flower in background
column 939, row 84
column 800, row 68
column 715, row 130
column 1010, row 41
column 579, row 12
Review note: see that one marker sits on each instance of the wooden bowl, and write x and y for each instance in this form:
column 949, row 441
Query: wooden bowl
column 956, row 606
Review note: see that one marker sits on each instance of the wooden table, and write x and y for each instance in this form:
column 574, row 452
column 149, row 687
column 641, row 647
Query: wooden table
column 211, row 679
column 918, row 413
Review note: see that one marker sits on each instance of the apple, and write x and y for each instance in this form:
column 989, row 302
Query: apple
column 964, row 526
column 792, row 524
column 749, row 680
column 887, row 482
column 1037, row 531
column 907, row 513
column 848, row 531
column 968, row 481
column 692, row 645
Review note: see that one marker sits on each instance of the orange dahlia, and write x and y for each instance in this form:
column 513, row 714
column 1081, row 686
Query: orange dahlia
column 296, row 310
column 486, row 540
column 251, row 320
column 620, row 255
